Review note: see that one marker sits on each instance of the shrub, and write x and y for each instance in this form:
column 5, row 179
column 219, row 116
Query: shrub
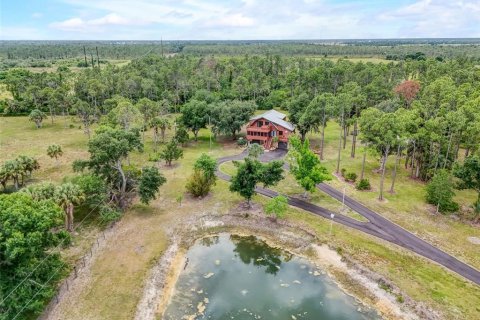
column 108, row 214
column 199, row 184
column 351, row 176
column 440, row 192
column 343, row 171
column 241, row 142
column 364, row 184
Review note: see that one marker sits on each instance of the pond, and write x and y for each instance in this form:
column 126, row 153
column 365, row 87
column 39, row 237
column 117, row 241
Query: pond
column 241, row 277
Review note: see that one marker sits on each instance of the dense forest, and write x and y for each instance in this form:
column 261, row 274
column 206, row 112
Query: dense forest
column 81, row 53
column 424, row 110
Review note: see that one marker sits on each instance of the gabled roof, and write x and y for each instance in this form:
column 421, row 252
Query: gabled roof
column 275, row 117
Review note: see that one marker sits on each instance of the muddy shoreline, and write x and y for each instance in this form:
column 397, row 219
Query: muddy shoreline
column 366, row 287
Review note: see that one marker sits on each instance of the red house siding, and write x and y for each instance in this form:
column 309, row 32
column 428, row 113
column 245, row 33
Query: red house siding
column 262, row 131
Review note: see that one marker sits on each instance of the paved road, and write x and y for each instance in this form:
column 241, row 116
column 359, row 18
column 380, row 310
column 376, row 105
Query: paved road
column 377, row 225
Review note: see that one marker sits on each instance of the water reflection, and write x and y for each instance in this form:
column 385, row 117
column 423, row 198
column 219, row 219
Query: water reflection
column 237, row 277
column 253, row 250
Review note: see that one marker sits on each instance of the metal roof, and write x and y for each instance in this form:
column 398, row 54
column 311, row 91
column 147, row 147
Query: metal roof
column 275, row 117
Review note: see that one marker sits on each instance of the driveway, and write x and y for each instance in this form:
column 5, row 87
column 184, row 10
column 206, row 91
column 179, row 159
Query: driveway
column 377, row 225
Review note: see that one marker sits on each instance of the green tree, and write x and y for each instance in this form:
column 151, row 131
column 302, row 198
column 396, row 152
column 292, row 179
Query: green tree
column 297, row 106
column 94, row 188
column 28, row 237
column 469, row 175
column 255, row 150
column 251, row 172
column 316, row 116
column 159, row 125
column 108, row 149
column 440, row 192
column 37, row 116
column 195, row 116
column 55, row 151
column 381, row 131
column 203, row 176
column 277, row 207
column 125, row 115
column 181, row 135
column 86, row 113
column 150, row 181
column 171, row 152
column 67, row 196
column 149, row 109
column 228, row 117
column 305, row 165
column 40, row 191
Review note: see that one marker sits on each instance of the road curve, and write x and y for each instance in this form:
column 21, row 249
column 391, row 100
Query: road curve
column 377, row 225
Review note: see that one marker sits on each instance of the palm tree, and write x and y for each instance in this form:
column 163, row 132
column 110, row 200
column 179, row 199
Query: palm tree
column 13, row 169
column 55, row 151
column 67, row 196
column 4, row 176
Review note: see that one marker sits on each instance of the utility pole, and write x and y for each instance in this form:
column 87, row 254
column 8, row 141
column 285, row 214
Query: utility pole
column 85, row 54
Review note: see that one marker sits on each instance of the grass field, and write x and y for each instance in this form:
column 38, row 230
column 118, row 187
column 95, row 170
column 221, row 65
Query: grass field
column 117, row 274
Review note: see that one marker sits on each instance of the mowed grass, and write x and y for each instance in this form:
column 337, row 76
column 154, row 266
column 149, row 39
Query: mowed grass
column 406, row 206
column 118, row 274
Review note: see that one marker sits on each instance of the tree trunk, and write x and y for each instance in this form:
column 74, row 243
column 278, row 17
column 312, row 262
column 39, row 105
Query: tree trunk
column 123, row 186
column 354, row 140
column 448, row 151
column 438, row 207
column 339, row 146
column 66, row 219
column 344, row 136
column 394, row 173
column 195, row 134
column 363, row 164
column 322, row 141
column 385, row 158
column 70, row 217
column 412, row 165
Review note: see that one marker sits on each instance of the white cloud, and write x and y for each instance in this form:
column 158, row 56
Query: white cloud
column 261, row 19
column 436, row 18
column 231, row 20
column 78, row 24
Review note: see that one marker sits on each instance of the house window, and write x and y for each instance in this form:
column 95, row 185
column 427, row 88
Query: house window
column 267, row 123
column 259, row 124
column 280, row 133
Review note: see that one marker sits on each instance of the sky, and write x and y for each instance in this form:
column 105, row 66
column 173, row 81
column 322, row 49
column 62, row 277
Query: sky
column 237, row 19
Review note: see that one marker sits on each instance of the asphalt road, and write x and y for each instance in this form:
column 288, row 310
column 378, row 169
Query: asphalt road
column 377, row 225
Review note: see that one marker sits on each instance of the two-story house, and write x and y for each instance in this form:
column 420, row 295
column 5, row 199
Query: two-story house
column 263, row 129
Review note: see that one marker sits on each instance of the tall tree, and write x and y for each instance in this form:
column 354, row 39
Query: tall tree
column 228, row 117
column 108, row 149
column 67, row 196
column 305, row 165
column 29, row 235
column 149, row 109
column 469, row 175
column 37, row 116
column 195, row 116
column 251, row 172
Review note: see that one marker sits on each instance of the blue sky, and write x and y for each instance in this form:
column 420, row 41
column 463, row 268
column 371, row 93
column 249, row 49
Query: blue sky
column 237, row 19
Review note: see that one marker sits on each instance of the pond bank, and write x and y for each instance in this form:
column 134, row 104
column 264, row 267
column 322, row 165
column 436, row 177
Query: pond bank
column 367, row 287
